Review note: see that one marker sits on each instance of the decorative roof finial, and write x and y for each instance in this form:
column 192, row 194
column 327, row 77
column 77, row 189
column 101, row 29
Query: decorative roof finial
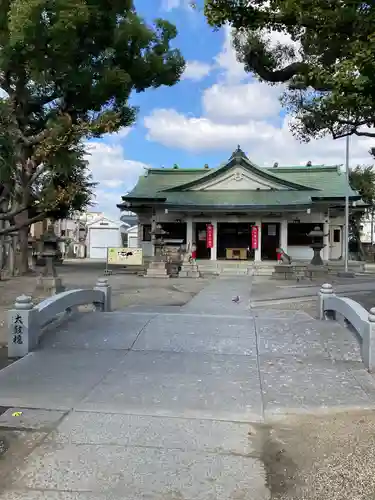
column 238, row 153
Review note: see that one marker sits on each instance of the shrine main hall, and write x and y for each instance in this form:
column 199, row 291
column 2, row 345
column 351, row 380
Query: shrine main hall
column 240, row 211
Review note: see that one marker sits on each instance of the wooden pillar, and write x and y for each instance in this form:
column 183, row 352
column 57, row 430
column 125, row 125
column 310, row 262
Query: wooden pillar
column 214, row 248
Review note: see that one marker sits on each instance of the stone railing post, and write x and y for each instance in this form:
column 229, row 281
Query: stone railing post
column 103, row 286
column 23, row 331
column 368, row 342
column 325, row 291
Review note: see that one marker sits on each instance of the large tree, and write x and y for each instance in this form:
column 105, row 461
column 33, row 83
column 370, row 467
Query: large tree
column 362, row 179
column 67, row 69
column 329, row 68
column 63, row 188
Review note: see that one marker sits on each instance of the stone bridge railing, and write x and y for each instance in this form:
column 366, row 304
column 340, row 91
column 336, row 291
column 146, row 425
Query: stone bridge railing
column 361, row 320
column 26, row 321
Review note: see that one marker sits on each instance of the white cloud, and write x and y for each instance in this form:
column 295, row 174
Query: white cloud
column 123, row 132
column 226, row 61
column 170, row 4
column 241, row 110
column 115, row 174
column 175, row 4
column 264, row 142
column 278, row 37
column 196, row 70
column 105, row 201
column 236, row 103
column 171, row 128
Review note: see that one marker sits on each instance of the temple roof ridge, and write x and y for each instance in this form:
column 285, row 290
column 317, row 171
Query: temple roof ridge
column 238, row 153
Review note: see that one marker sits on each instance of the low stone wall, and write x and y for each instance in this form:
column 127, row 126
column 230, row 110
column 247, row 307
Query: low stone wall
column 27, row 321
column 363, row 322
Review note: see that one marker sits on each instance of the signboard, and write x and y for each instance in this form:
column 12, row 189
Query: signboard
column 125, row 256
column 254, row 237
column 271, row 229
column 201, row 235
column 210, row 236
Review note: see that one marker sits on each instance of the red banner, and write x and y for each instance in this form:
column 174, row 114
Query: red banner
column 254, row 237
column 210, row 236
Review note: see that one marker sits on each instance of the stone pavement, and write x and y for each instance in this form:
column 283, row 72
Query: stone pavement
column 171, row 402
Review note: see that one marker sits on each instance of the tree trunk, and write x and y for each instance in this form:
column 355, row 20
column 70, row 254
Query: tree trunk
column 11, row 265
column 2, row 247
column 356, row 233
column 23, row 254
column 22, row 261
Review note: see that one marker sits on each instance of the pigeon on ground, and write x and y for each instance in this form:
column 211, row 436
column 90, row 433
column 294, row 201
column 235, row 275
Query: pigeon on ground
column 236, row 299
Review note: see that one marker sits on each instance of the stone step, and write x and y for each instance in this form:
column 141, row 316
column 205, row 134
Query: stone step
column 235, row 272
column 156, row 273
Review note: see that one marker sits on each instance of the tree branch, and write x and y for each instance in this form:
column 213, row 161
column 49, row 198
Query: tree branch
column 26, row 223
column 12, row 213
column 364, row 134
column 33, row 139
column 352, row 123
column 38, row 172
column 254, row 63
column 279, row 75
column 36, row 103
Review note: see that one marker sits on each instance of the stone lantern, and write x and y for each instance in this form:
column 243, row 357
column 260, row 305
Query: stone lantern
column 317, row 245
column 157, row 236
column 158, row 265
column 49, row 281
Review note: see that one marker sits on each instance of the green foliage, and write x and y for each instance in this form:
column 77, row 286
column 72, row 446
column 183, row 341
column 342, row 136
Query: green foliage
column 329, row 70
column 68, row 68
column 66, row 188
column 362, row 179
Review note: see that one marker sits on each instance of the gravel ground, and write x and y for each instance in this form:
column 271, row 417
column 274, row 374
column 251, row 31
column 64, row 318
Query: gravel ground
column 310, row 305
column 327, row 457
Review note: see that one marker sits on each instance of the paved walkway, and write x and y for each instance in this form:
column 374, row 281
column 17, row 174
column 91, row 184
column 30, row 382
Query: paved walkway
column 169, row 403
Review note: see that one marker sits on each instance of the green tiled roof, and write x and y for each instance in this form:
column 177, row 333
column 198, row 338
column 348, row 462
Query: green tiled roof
column 298, row 185
column 240, row 198
column 327, row 179
column 157, row 180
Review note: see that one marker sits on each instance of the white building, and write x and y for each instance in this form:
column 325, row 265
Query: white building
column 102, row 233
column 133, row 237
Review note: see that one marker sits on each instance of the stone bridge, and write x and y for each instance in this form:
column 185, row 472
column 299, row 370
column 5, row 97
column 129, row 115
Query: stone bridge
column 170, row 402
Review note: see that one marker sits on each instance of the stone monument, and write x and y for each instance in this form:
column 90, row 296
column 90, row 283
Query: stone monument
column 158, row 265
column 48, row 280
column 189, row 268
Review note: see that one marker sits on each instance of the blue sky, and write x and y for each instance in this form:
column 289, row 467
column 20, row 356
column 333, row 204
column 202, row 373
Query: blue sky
column 203, row 118
column 196, row 42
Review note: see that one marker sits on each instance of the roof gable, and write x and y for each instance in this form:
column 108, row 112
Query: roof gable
column 104, row 223
column 239, row 173
column 237, row 178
